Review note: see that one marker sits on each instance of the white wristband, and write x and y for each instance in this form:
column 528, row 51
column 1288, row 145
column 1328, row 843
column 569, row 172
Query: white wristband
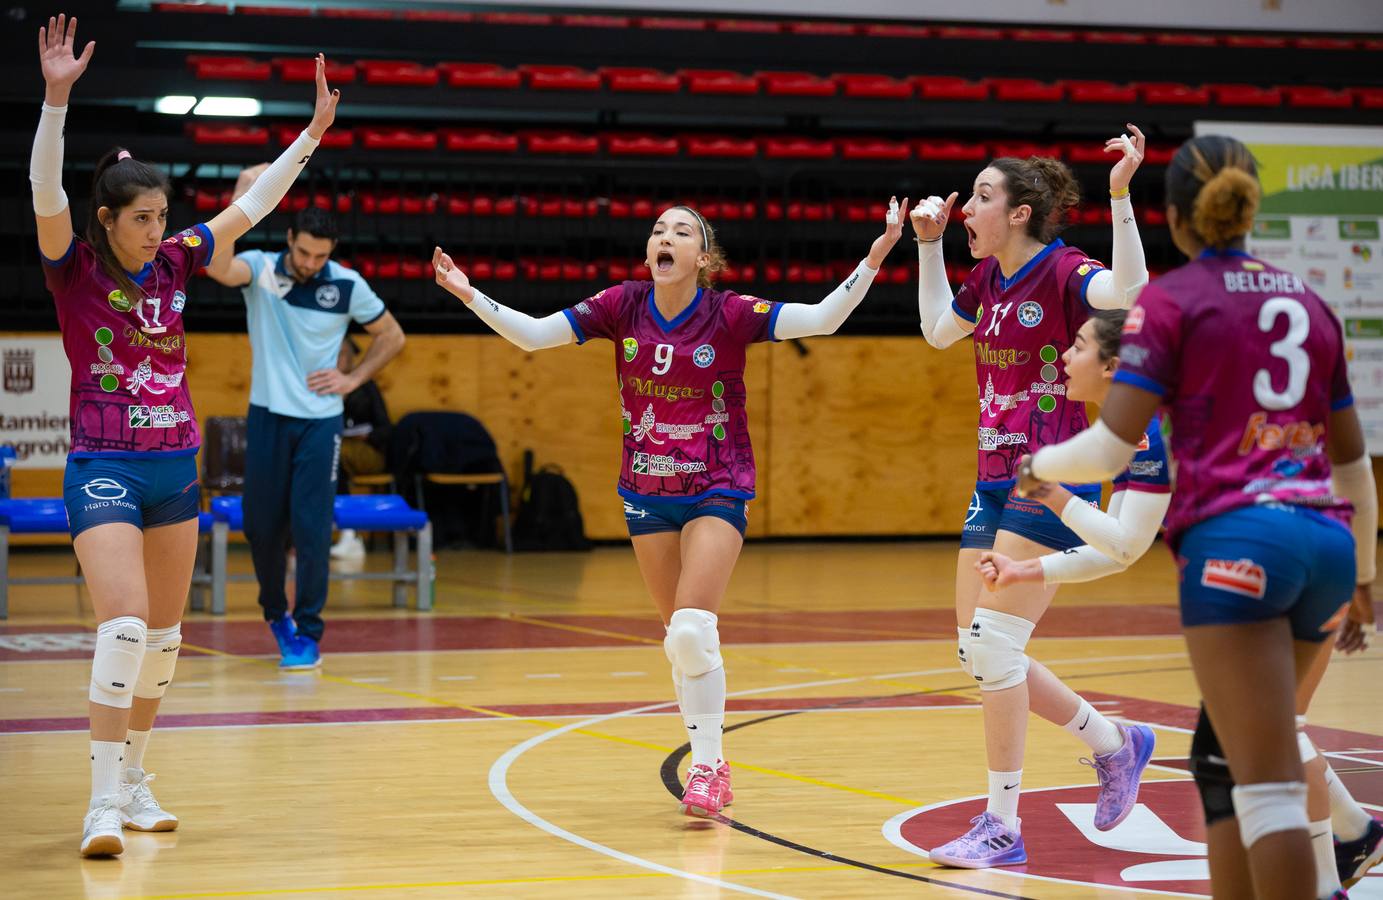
column 264, row 195
column 45, row 163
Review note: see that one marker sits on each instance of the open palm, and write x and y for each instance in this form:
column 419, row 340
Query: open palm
column 61, row 68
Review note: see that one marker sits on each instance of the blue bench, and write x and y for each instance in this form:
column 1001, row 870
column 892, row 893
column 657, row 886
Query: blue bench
column 46, row 515
column 362, row 512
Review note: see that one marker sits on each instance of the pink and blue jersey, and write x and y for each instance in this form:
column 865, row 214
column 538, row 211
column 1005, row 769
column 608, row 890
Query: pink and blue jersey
column 1023, row 325
column 1250, row 363
column 129, row 355
column 1150, row 471
column 682, row 394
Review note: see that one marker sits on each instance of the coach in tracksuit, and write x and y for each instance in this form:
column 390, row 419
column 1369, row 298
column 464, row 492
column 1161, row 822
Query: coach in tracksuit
column 299, row 305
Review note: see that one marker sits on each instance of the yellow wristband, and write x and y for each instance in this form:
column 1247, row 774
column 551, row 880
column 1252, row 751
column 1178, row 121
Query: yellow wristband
column 1119, row 194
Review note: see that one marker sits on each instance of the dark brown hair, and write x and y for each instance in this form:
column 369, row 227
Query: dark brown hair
column 1109, row 332
column 706, row 277
column 1044, row 184
column 115, row 185
column 1212, row 182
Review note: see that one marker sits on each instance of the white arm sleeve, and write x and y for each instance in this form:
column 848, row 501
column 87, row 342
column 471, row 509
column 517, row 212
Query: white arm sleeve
column 1125, row 532
column 1096, row 454
column 264, row 195
column 799, row 320
column 520, row 329
column 1354, row 482
column 1117, row 287
column 939, row 325
column 45, row 163
column 1083, row 563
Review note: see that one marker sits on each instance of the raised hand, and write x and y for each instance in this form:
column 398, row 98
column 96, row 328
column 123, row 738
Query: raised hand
column 893, row 229
column 450, row 277
column 930, row 216
column 1132, row 149
column 61, row 68
column 325, row 112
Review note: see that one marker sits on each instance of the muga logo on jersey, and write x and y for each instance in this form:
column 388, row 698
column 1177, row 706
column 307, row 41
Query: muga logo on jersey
column 1243, row 577
column 631, row 348
column 1158, row 848
column 704, row 355
column 104, row 489
column 328, row 295
column 647, row 387
column 1030, row 314
column 1003, row 357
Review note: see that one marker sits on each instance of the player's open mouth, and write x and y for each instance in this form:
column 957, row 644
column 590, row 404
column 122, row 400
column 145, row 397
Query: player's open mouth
column 664, row 261
column 970, row 234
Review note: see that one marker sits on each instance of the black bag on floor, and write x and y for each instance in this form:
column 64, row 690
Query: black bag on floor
column 549, row 514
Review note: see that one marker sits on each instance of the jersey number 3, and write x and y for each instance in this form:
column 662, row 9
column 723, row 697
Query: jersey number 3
column 1287, row 349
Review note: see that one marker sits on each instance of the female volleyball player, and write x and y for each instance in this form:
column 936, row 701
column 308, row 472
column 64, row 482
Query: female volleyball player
column 1023, row 303
column 1270, row 456
column 687, row 471
column 131, row 480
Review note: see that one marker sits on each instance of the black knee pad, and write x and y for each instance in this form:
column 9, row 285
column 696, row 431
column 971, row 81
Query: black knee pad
column 1210, row 768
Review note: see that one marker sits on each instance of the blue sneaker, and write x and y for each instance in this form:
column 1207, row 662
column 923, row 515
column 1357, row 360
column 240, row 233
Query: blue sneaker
column 303, row 654
column 284, row 629
column 1355, row 858
column 988, row 843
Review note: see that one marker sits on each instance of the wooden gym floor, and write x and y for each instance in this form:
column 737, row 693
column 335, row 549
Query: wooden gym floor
column 521, row 740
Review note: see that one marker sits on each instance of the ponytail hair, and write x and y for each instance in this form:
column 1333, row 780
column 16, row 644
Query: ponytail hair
column 1109, row 332
column 1045, row 185
column 118, row 180
column 1212, row 182
column 710, row 244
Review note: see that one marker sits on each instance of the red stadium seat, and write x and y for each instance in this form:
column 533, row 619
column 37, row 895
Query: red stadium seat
column 229, row 68
column 304, row 69
column 1115, row 37
column 809, row 211
column 951, row 151
column 1185, row 39
column 627, row 208
column 1099, row 92
column 584, row 21
column 833, row 29
column 560, row 78
column 397, row 72
column 946, row 87
column 672, row 23
column 1244, row 95
column 782, row 147
column 796, row 84
column 1083, row 152
column 1026, row 90
column 479, row 76
column 719, row 146
column 639, row 145
column 498, row 18
column 1313, row 97
column 1372, row 44
column 1158, row 156
column 1325, row 43
column 438, row 15
column 718, row 81
column 876, row 149
column 560, row 142
column 969, row 34
column 1170, row 93
column 335, row 137
column 1154, row 215
column 397, row 139
column 1255, row 41
column 873, row 86
column 379, row 15
column 230, row 135
column 479, row 140
column 1045, row 35
column 204, row 200
column 747, row 26
column 640, row 81
column 291, row 11
column 1369, row 98
column 192, row 8
column 772, row 273
column 897, row 31
column 1024, row 149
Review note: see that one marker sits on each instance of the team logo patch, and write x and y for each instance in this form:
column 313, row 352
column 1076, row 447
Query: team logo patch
column 704, row 355
column 118, row 301
column 179, row 301
column 328, row 295
column 762, row 306
column 104, row 489
column 583, row 308
column 1029, row 313
column 1144, row 443
column 631, row 349
column 639, row 465
column 974, row 509
column 1083, row 270
column 1134, row 323
column 1243, row 577
column 191, row 239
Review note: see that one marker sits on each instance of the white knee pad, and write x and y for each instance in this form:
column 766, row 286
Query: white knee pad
column 1308, row 749
column 1264, row 809
column 963, row 650
column 996, row 645
column 160, row 658
column 115, row 666
column 693, row 643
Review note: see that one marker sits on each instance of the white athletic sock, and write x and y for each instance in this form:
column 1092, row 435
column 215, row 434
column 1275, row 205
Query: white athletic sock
column 1323, row 847
column 106, row 766
column 135, row 743
column 1099, row 734
column 703, row 712
column 1348, row 819
column 1004, row 788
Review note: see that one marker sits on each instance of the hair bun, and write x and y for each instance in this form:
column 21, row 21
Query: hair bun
column 1225, row 206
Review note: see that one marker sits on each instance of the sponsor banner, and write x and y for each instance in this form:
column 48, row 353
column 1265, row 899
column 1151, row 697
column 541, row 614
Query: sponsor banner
column 34, row 401
column 1322, row 219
